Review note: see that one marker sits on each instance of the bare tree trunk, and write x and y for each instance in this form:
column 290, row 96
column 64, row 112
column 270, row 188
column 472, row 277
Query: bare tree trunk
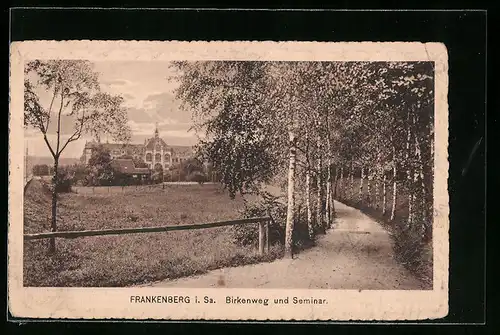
column 53, row 223
column 377, row 206
column 290, row 215
column 384, row 195
column 361, row 183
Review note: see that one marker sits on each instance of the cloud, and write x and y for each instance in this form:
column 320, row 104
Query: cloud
column 164, row 128
column 164, row 105
column 128, row 96
column 161, row 108
column 178, row 133
column 140, row 128
column 116, row 82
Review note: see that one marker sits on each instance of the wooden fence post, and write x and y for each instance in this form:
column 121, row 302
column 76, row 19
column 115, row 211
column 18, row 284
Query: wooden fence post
column 261, row 237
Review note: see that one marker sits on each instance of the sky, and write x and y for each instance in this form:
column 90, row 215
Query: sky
column 148, row 97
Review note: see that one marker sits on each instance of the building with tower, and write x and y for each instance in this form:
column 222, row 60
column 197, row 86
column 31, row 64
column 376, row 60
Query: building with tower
column 155, row 152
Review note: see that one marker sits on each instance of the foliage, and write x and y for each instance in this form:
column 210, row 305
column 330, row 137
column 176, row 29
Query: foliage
column 41, row 170
column 227, row 100
column 100, row 170
column 370, row 116
column 269, row 205
column 139, row 163
column 192, row 165
column 264, row 206
column 197, row 176
column 79, row 174
column 76, row 99
column 64, row 180
column 74, row 88
column 412, row 251
column 157, row 175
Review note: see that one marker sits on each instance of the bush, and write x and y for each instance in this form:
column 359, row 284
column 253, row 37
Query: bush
column 176, row 174
column 41, row 170
column 412, row 251
column 268, row 205
column 64, row 181
column 197, row 176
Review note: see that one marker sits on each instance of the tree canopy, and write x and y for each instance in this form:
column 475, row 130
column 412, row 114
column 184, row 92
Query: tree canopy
column 259, row 116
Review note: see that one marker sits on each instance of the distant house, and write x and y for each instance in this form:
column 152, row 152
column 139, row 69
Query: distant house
column 154, row 152
column 127, row 167
column 126, row 172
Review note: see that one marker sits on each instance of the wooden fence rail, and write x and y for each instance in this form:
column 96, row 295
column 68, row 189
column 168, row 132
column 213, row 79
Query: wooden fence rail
column 262, row 221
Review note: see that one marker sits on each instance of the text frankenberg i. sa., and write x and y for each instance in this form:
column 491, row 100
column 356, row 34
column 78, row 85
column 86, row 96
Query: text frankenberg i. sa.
column 168, row 299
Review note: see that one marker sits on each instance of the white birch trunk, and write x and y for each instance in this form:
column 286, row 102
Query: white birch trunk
column 408, row 173
column 377, row 184
column 335, row 183
column 361, row 183
column 394, row 182
column 342, row 189
column 423, row 192
column 384, row 195
column 351, row 187
column 369, row 187
column 319, row 195
column 332, row 196
column 394, row 191
column 290, row 215
column 310, row 227
column 328, row 207
column 349, row 183
column 328, row 196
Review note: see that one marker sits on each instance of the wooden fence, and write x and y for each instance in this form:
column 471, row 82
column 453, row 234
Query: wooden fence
column 262, row 221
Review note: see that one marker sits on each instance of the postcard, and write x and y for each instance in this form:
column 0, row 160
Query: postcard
column 172, row 180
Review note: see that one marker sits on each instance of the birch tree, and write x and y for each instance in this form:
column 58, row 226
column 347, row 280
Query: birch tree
column 75, row 106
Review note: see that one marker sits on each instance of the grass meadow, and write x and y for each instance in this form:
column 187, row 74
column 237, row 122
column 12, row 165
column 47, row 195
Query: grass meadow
column 124, row 260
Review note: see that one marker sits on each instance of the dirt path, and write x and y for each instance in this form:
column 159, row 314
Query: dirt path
column 356, row 254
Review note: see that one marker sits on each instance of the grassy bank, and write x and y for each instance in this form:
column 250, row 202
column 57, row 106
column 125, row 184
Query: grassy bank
column 410, row 249
column 114, row 261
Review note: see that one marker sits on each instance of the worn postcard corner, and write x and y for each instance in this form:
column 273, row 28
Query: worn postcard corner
column 228, row 180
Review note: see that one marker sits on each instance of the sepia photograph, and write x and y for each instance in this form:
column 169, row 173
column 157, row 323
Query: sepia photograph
column 312, row 175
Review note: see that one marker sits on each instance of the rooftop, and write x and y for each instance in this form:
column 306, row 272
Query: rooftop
column 126, row 166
